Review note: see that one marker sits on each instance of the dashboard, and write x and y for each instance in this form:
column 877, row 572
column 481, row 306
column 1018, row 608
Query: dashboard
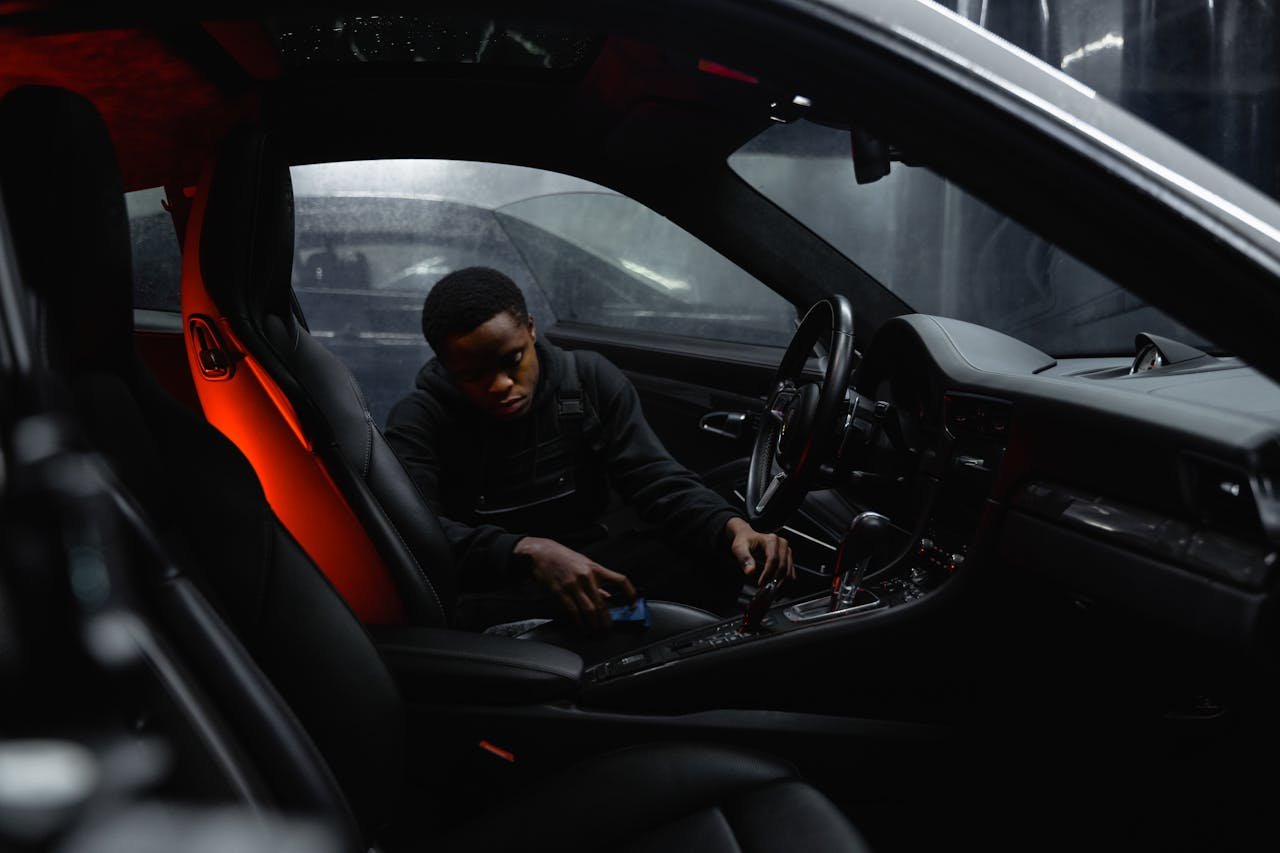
column 1150, row 492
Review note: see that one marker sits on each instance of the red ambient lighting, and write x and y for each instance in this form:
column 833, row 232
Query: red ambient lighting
column 709, row 67
column 509, row 757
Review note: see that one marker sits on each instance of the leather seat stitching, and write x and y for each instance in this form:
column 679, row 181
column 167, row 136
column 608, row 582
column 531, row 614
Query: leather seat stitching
column 412, row 557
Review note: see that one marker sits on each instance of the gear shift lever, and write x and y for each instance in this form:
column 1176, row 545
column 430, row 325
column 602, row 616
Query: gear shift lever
column 759, row 606
column 866, row 532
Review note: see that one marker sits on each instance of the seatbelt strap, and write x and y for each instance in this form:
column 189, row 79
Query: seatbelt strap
column 571, row 407
column 572, row 413
column 571, row 410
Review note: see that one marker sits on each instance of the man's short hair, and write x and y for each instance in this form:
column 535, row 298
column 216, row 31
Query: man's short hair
column 467, row 298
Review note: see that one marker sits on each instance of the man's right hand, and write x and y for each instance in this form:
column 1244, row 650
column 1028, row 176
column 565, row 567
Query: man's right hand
column 575, row 579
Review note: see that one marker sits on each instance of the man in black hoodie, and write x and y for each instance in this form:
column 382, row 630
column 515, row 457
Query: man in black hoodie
column 516, row 444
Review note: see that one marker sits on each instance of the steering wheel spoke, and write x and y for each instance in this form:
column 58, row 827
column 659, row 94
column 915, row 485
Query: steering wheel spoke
column 784, row 395
column 797, row 435
column 778, row 479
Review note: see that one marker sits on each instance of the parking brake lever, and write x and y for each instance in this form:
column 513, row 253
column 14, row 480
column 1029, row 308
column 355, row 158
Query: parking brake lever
column 866, row 533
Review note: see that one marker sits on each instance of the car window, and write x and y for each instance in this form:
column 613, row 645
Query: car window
column 157, row 259
column 944, row 251
column 604, row 259
column 372, row 238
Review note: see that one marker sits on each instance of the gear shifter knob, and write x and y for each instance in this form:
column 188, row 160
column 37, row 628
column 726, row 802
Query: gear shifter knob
column 866, row 533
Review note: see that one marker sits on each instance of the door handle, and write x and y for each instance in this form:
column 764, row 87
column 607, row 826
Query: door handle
column 215, row 360
column 727, row 424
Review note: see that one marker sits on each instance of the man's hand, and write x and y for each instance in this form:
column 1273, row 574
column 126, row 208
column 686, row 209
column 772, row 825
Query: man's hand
column 575, row 579
column 761, row 554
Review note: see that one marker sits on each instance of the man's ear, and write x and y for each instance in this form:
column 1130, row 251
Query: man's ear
column 533, row 329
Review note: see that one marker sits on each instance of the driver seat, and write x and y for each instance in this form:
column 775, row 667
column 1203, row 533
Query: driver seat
column 300, row 417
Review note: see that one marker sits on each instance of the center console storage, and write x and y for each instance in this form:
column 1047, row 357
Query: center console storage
column 441, row 665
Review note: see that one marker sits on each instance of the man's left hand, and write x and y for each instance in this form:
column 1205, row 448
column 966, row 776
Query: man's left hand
column 761, row 555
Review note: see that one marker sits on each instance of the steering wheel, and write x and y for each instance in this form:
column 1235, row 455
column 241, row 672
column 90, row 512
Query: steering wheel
column 798, row 430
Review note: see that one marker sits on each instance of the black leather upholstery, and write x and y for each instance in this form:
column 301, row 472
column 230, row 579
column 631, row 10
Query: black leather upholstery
column 73, row 236
column 207, row 513
column 455, row 666
column 664, row 797
column 246, row 255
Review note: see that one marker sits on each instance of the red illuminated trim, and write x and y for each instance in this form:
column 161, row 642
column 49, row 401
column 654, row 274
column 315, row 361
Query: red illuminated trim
column 277, row 396
column 498, row 751
column 709, row 67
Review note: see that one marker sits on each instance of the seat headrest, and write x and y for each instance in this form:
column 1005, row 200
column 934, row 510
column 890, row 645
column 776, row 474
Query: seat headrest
column 64, row 198
column 246, row 241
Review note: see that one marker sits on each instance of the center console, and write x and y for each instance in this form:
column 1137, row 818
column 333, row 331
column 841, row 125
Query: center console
column 889, row 570
column 925, row 564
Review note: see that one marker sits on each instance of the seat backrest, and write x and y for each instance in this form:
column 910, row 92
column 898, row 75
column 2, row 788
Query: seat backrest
column 294, row 409
column 233, row 566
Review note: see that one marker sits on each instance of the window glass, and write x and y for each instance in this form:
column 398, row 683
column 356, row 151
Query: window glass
column 607, row 260
column 157, row 258
column 372, row 238
column 945, row 252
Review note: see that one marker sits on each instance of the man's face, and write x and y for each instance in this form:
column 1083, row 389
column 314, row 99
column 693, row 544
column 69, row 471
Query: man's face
column 495, row 365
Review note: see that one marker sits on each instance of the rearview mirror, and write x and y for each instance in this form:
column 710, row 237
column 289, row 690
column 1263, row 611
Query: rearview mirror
column 872, row 156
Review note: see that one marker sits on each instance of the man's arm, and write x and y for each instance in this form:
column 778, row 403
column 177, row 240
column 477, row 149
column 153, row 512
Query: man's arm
column 575, row 579
column 667, row 494
column 754, row 550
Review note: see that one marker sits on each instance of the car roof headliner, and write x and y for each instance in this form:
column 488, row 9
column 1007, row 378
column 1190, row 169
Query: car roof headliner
column 170, row 91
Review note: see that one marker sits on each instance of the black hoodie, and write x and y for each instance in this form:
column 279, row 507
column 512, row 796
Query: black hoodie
column 547, row 473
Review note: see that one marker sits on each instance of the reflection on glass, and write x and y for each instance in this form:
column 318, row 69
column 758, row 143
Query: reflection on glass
column 944, row 252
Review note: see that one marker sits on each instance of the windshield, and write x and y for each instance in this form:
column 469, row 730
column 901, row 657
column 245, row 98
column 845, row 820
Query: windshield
column 944, row 252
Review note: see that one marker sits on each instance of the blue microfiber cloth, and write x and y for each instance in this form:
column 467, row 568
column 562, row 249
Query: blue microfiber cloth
column 635, row 614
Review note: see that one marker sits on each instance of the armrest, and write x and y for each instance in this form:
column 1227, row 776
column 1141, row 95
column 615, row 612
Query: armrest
column 458, row 667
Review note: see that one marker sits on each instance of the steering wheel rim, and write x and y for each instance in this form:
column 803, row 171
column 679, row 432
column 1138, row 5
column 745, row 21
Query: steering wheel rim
column 798, row 429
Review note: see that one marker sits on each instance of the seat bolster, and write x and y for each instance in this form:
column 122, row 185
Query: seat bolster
column 397, row 519
column 246, row 242
column 321, row 388
column 657, row 791
column 786, row 817
column 781, row 818
column 412, row 518
column 350, row 705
